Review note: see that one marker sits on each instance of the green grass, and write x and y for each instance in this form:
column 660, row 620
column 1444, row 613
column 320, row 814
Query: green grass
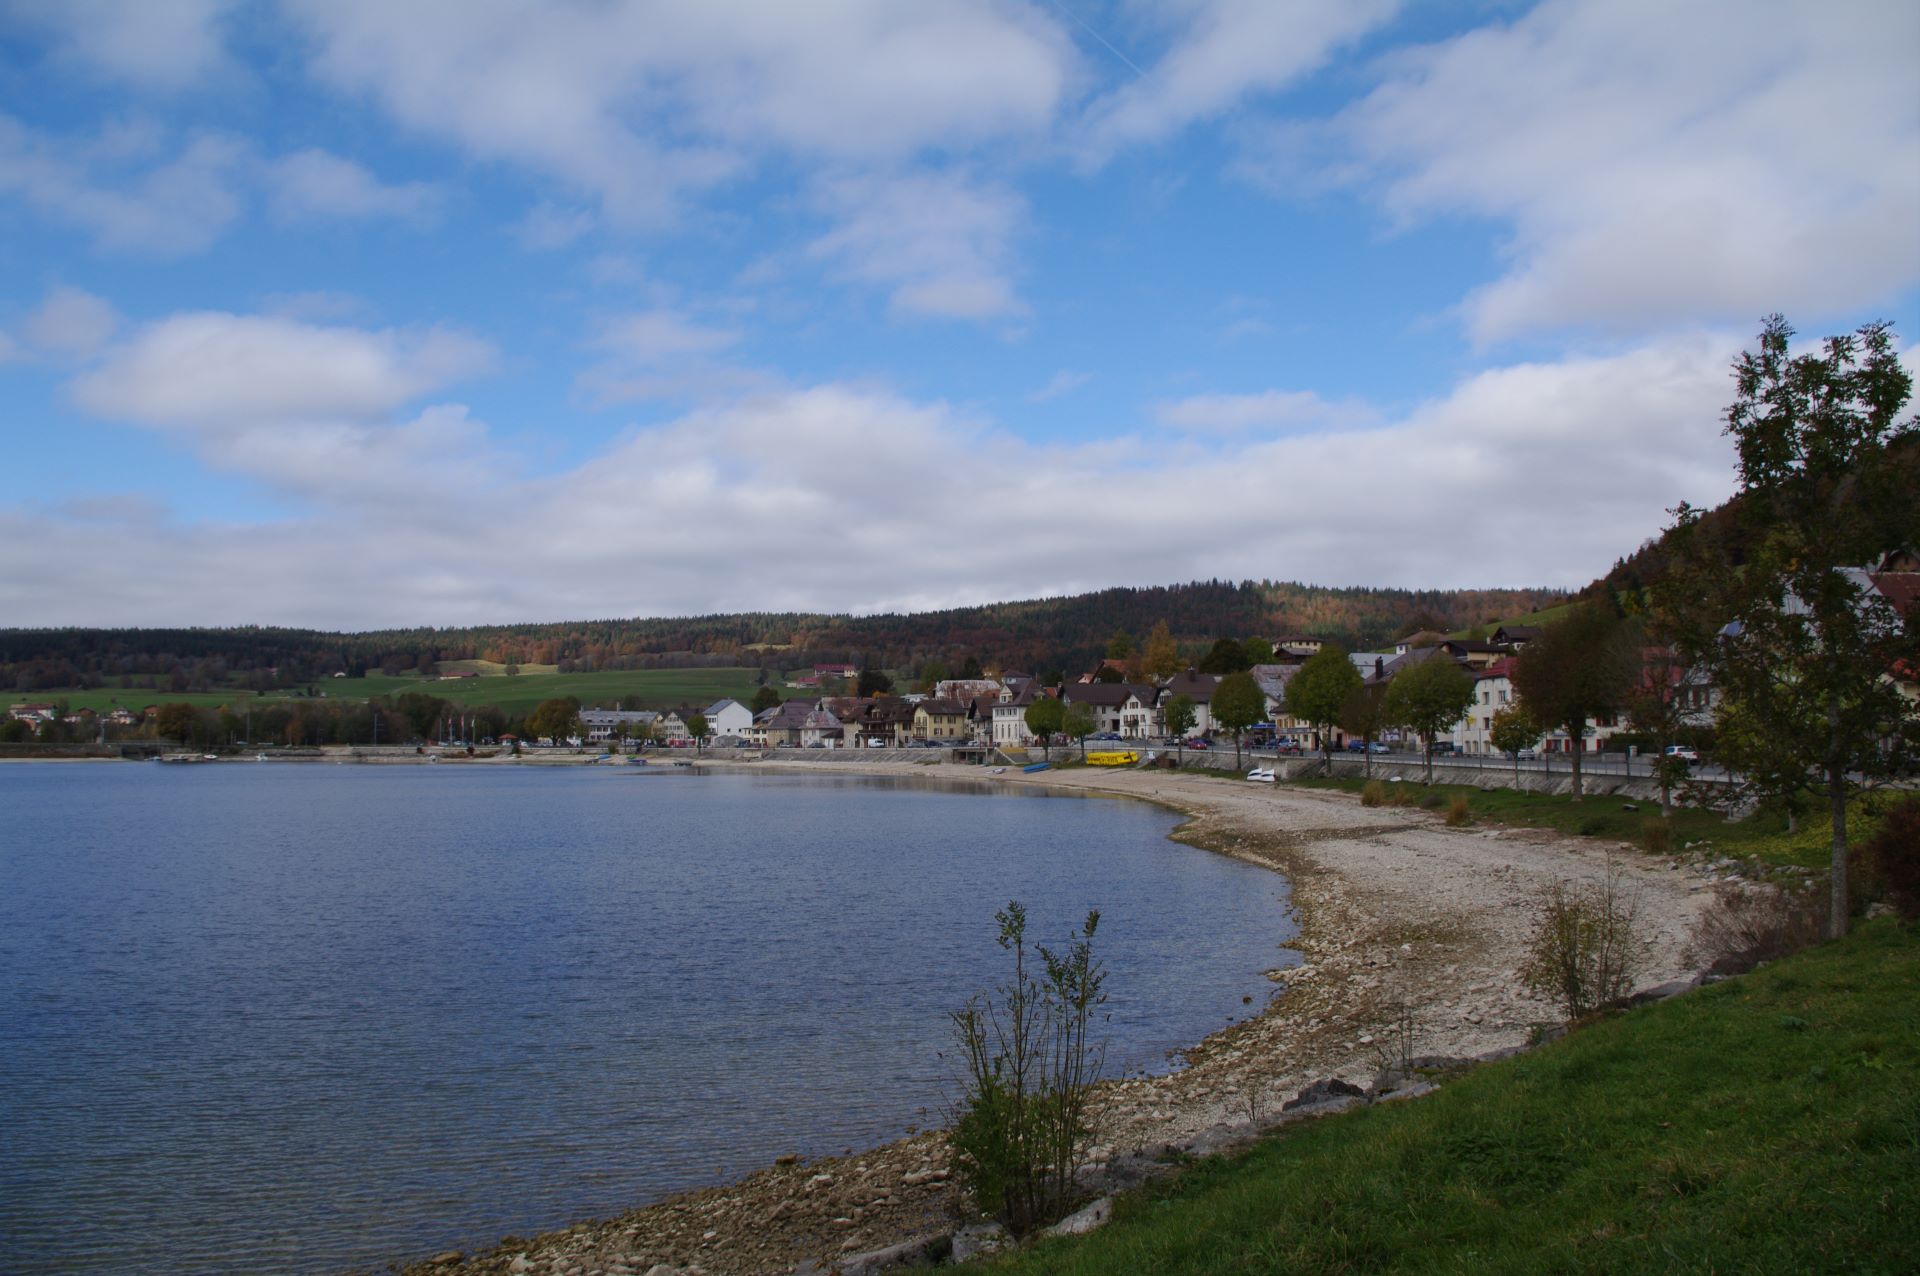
column 1766, row 1124
column 658, row 688
column 1762, row 836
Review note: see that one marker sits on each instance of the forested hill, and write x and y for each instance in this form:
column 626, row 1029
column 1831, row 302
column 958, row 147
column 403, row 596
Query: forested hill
column 1048, row 632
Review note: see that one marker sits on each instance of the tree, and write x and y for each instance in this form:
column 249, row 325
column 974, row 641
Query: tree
column 1317, row 691
column 1429, row 698
column 179, row 721
column 872, row 683
column 1162, row 659
column 1660, row 706
column 512, row 670
column 1514, row 730
column 1798, row 645
column 1579, row 668
column 1180, row 715
column 765, row 698
column 1363, row 716
column 696, row 727
column 1120, row 646
column 1256, row 651
column 557, row 719
column 932, row 674
column 1224, row 657
column 1237, row 704
column 1077, row 722
column 970, row 669
column 1044, row 717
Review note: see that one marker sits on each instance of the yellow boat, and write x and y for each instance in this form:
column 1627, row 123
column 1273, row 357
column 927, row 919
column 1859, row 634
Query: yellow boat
column 1127, row 758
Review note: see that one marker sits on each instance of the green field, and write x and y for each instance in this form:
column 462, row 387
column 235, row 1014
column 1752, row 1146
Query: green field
column 658, row 688
column 1766, row 1124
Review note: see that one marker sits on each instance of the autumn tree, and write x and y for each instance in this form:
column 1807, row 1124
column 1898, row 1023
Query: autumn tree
column 1579, row 668
column 1318, row 690
column 1162, row 658
column 557, row 719
column 1659, row 703
column 1363, row 716
column 1237, row 704
column 1428, row 699
column 1795, row 637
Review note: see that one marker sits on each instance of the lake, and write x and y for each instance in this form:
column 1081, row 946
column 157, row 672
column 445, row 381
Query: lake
column 299, row 1017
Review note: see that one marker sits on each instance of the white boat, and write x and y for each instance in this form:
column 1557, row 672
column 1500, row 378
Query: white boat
column 1262, row 773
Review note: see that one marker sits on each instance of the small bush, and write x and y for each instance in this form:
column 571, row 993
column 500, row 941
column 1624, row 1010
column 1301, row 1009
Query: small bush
column 1586, row 949
column 1892, row 856
column 1744, row 926
column 1431, row 802
column 1457, row 814
column 1657, row 836
column 1021, row 1126
column 1374, row 794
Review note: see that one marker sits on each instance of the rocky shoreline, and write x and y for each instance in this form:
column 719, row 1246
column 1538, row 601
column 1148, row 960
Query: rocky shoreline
column 1410, row 934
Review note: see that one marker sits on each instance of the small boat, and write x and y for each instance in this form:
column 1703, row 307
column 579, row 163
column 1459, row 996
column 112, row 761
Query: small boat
column 1032, row 767
column 636, row 761
column 1262, row 773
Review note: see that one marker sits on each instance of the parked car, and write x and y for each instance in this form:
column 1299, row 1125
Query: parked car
column 1198, row 742
column 1443, row 746
column 1356, row 746
column 1683, row 752
column 1377, row 747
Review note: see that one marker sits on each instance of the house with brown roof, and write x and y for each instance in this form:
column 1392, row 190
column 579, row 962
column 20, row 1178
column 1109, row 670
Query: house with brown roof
column 1197, row 687
column 937, row 719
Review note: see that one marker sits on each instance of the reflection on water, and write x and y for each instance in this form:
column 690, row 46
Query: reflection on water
column 297, row 1018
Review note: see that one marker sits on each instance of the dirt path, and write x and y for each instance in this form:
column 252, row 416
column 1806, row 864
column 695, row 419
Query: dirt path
column 1408, row 928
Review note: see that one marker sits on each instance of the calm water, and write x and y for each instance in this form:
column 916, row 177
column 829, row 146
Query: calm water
column 260, row 1017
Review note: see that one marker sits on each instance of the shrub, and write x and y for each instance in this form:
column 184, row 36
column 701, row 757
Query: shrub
column 1374, row 794
column 1657, row 836
column 1892, row 856
column 1431, row 802
column 1585, row 951
column 1744, row 926
column 1457, row 814
column 1022, row 1122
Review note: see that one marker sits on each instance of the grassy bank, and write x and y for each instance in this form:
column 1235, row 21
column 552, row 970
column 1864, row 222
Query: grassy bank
column 1766, row 1124
column 1762, row 836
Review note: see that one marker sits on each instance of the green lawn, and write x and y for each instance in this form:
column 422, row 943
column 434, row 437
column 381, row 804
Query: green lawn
column 1767, row 1124
column 658, row 688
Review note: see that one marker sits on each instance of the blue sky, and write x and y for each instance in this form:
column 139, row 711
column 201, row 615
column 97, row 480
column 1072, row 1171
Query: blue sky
column 346, row 313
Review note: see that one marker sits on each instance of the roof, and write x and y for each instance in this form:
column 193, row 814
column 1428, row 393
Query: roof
column 942, row 708
column 1273, row 679
column 1109, row 695
column 1198, row 687
column 718, row 705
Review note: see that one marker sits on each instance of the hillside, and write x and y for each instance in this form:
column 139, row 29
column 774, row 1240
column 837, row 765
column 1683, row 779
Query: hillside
column 1064, row 632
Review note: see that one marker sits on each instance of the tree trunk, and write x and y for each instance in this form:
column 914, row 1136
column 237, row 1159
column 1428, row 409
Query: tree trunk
column 1236, row 750
column 1429, row 759
column 1576, row 736
column 1837, row 805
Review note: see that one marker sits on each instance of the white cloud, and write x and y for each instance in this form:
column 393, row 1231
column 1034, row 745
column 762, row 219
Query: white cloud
column 1223, row 52
column 1063, row 382
column 655, row 335
column 1267, row 410
column 115, row 187
column 940, row 241
column 317, row 184
column 71, row 323
column 152, row 44
column 1532, row 473
column 638, row 103
column 1663, row 163
column 547, row 226
column 212, row 371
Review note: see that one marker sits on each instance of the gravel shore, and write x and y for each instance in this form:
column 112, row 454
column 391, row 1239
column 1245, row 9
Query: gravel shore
column 1406, row 924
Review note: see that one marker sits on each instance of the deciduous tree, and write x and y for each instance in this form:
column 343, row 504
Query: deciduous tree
column 1077, row 722
column 1318, row 690
column 1044, row 718
column 1579, row 668
column 1429, row 698
column 1514, row 730
column 1179, row 715
column 1798, row 642
column 1162, row 659
column 1363, row 716
column 1237, row 704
